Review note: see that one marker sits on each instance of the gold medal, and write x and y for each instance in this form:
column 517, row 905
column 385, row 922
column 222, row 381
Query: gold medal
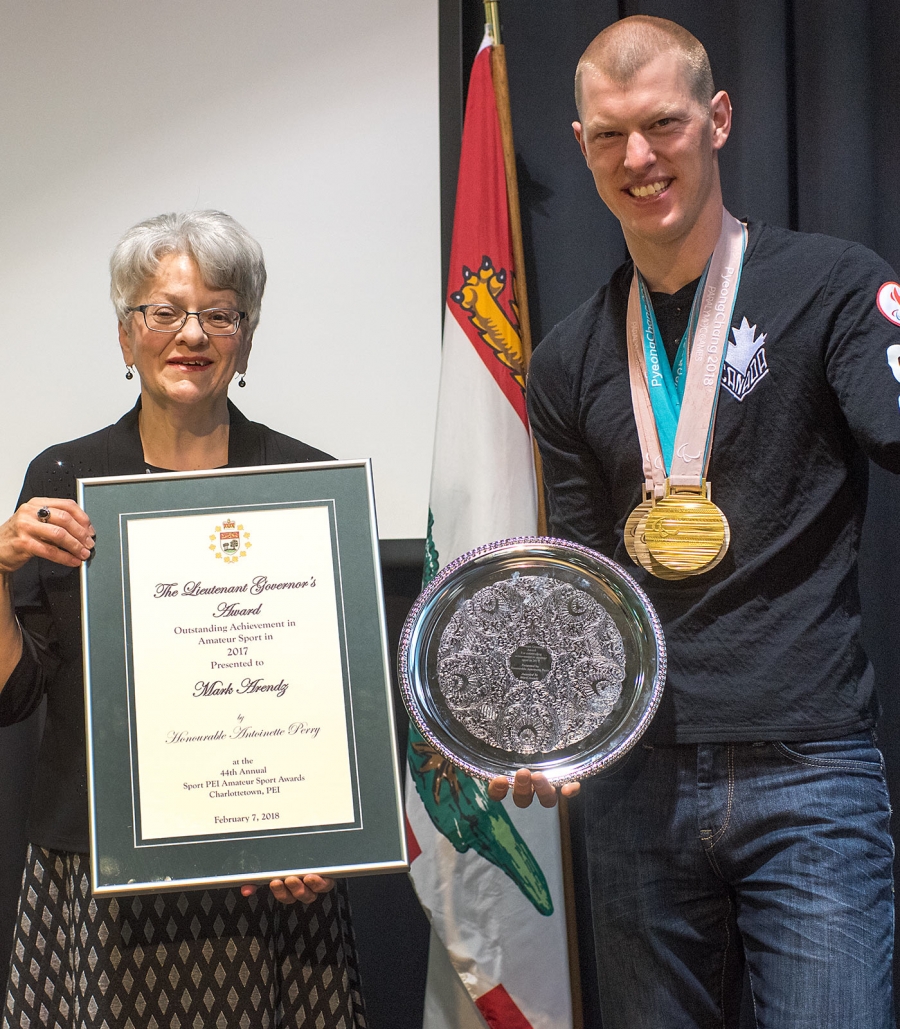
column 632, row 522
column 642, row 555
column 648, row 561
column 724, row 549
column 686, row 532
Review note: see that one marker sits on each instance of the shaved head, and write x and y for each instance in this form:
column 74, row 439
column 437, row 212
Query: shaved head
column 621, row 50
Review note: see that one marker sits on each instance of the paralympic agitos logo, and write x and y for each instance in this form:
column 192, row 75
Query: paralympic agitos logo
column 888, row 300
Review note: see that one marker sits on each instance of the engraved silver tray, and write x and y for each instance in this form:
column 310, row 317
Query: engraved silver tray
column 532, row 652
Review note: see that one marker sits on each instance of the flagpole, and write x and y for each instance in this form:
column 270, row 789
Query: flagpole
column 501, row 92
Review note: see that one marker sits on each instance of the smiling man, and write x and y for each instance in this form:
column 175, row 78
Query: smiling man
column 704, row 420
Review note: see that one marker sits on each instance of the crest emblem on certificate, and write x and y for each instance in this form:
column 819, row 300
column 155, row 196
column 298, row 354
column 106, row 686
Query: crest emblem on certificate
column 230, row 542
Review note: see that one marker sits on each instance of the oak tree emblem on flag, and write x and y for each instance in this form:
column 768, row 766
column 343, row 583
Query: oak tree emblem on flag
column 461, row 810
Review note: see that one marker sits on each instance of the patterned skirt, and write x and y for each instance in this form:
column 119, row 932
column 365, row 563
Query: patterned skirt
column 209, row 958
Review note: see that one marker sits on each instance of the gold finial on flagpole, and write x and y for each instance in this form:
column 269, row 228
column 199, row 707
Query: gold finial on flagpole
column 492, row 19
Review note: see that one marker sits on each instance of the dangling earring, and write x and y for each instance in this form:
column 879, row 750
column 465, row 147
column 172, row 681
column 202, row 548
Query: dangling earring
column 129, row 374
column 241, row 381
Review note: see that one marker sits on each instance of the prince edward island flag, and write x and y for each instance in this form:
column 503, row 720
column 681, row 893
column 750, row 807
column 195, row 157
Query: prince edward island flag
column 489, row 875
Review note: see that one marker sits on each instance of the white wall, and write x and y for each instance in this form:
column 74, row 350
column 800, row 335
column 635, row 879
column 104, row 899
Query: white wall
column 104, row 108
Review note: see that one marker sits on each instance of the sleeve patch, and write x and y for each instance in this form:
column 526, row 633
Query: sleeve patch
column 893, row 359
column 888, row 300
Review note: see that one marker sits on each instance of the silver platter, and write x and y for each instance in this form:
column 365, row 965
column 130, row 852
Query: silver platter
column 532, row 652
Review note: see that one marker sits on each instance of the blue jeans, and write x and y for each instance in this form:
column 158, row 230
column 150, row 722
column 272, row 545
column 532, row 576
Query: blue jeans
column 706, row 857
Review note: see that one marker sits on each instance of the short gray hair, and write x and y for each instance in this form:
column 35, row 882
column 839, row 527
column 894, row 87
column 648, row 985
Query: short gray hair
column 226, row 254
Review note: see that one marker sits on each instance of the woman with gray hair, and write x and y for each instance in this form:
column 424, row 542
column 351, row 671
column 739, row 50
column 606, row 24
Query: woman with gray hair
column 187, row 291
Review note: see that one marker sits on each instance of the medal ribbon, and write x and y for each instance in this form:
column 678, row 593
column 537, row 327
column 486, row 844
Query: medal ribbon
column 651, row 452
column 675, row 414
column 666, row 382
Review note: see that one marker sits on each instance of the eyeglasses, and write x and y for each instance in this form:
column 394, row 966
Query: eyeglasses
column 215, row 321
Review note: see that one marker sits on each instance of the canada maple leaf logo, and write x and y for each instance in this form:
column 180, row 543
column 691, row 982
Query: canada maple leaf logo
column 745, row 361
column 744, row 347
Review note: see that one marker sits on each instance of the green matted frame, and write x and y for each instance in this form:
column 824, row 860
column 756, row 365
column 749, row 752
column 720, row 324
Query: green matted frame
column 121, row 862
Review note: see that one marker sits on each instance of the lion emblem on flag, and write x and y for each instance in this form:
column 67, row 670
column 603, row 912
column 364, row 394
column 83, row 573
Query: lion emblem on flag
column 478, row 297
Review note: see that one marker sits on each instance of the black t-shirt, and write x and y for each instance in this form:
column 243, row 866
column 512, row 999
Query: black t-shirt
column 672, row 311
column 766, row 645
column 48, row 602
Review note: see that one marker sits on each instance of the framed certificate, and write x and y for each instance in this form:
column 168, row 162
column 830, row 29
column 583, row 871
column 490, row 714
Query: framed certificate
column 239, row 716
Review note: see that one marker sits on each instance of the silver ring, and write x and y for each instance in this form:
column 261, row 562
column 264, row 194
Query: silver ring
column 43, row 514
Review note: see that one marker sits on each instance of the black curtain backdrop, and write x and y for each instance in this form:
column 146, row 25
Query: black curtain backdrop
column 814, row 84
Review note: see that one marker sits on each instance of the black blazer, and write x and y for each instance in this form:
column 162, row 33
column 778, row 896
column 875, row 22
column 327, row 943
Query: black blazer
column 48, row 603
